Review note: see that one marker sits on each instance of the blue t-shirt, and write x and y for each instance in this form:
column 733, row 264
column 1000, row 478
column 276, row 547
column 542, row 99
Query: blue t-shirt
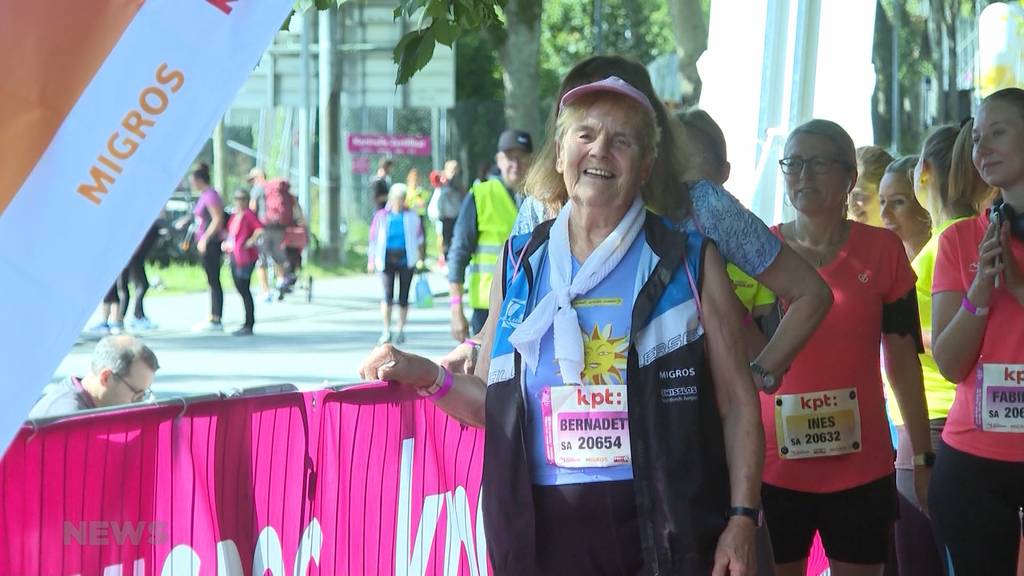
column 605, row 315
column 396, row 231
column 741, row 237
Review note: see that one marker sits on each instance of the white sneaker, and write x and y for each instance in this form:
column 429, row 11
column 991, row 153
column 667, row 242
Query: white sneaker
column 208, row 326
column 141, row 324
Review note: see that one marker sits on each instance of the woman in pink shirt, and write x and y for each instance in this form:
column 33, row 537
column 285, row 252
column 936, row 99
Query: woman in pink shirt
column 828, row 454
column 244, row 230
column 978, row 342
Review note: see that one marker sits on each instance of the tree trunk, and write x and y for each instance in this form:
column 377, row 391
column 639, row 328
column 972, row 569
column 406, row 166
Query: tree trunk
column 689, row 25
column 881, row 109
column 520, row 62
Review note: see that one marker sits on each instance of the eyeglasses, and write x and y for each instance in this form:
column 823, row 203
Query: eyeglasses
column 793, row 166
column 138, row 395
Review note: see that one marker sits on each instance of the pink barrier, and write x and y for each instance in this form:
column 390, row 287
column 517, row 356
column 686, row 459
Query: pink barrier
column 353, row 482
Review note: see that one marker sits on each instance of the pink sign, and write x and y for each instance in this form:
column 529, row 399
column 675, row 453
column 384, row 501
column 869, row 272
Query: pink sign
column 394, row 144
column 356, row 482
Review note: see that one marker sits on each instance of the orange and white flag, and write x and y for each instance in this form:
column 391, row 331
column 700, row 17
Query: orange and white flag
column 103, row 106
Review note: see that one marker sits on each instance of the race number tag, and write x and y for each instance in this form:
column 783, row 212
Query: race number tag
column 817, row 424
column 585, row 426
column 1000, row 398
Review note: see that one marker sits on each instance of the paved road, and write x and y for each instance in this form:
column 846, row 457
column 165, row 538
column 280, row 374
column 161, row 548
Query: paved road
column 306, row 344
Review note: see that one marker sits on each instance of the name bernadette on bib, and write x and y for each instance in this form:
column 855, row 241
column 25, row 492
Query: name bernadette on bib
column 817, row 424
column 586, row 426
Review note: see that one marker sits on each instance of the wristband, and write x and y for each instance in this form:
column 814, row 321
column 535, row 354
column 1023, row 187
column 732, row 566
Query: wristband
column 455, row 300
column 445, row 388
column 972, row 309
column 471, row 342
column 429, row 391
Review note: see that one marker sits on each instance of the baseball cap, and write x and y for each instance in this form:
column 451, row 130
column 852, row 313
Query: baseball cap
column 512, row 139
column 612, row 84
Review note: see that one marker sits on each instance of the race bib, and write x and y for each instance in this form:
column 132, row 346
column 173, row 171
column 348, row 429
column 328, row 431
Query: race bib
column 1000, row 400
column 817, row 424
column 585, row 426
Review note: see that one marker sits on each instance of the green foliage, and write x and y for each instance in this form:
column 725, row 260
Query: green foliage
column 439, row 21
column 639, row 29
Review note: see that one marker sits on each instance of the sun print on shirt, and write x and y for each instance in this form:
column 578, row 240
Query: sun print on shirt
column 604, row 356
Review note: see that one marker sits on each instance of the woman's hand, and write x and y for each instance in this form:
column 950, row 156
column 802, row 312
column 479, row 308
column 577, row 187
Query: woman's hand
column 201, row 245
column 462, row 359
column 735, row 552
column 369, row 267
column 393, row 365
column 990, row 265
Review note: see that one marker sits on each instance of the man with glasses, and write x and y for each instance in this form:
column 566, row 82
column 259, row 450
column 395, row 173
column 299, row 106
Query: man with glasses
column 122, row 372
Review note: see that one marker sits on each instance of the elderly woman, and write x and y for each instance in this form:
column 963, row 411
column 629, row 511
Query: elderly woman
column 396, row 247
column 621, row 420
column 977, row 330
column 742, row 238
column 828, row 453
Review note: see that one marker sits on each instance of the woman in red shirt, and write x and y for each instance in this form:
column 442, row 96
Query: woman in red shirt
column 978, row 342
column 244, row 230
column 828, row 453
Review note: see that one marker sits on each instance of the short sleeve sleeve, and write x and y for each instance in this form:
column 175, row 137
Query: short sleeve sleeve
column 946, row 277
column 903, row 277
column 531, row 213
column 741, row 236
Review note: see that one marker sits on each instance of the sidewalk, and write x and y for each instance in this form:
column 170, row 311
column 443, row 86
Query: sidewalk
column 305, row 344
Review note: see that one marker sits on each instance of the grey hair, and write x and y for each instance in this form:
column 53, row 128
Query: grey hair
column 119, row 353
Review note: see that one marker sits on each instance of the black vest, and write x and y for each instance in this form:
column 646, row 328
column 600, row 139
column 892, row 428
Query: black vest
column 681, row 480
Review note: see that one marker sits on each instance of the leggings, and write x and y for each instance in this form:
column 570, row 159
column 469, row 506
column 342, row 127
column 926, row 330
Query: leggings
column 136, row 273
column 974, row 504
column 242, row 275
column 211, row 265
column 404, row 282
column 918, row 551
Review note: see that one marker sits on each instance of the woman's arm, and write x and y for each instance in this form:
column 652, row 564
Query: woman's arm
column 465, row 401
column 957, row 333
column 903, row 368
column 794, row 281
column 738, row 405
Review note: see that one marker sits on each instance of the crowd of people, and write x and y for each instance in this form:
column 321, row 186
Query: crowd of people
column 669, row 386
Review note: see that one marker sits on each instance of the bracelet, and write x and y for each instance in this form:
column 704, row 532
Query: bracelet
column 972, row 309
column 445, row 388
column 471, row 342
column 455, row 300
column 748, row 320
column 429, row 391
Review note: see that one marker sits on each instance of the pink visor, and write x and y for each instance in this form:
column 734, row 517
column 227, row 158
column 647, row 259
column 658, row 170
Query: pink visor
column 610, row 84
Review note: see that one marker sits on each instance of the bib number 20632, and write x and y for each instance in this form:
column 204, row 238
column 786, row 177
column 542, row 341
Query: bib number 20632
column 817, row 424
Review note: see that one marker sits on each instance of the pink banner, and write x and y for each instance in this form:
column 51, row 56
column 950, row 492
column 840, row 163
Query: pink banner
column 355, row 482
column 394, row 144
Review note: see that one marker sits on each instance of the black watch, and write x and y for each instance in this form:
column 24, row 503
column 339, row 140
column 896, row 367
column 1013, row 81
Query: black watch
column 767, row 378
column 753, row 513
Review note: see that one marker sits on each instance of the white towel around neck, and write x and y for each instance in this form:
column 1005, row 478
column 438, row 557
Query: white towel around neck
column 556, row 307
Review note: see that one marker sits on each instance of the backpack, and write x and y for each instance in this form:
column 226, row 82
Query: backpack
column 279, row 204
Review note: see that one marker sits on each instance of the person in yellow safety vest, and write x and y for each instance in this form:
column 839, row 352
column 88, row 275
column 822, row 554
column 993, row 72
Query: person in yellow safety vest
column 481, row 229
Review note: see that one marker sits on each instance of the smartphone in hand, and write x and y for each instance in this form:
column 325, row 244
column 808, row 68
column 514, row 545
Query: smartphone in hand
column 997, row 219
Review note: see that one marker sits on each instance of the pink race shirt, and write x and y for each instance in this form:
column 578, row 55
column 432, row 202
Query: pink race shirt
column 240, row 228
column 870, row 270
column 1002, row 345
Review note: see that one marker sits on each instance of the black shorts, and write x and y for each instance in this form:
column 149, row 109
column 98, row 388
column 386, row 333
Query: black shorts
column 855, row 524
